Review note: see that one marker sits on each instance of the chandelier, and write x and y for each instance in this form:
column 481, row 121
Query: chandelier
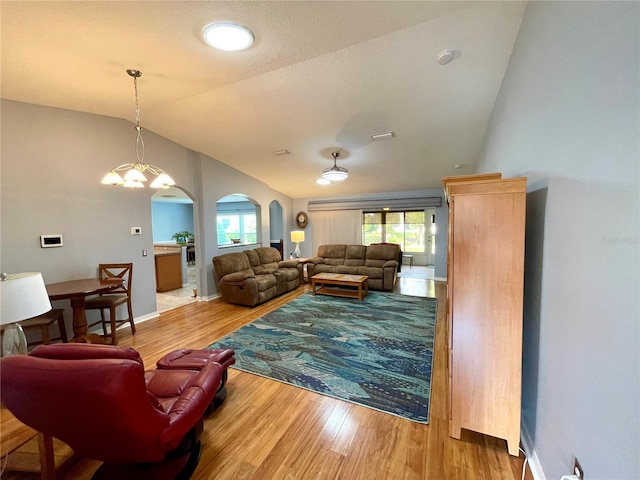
column 335, row 173
column 134, row 176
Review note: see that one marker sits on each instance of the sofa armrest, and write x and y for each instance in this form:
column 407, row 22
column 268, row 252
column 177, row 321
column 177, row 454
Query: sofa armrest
column 237, row 277
column 288, row 263
column 390, row 263
column 315, row 260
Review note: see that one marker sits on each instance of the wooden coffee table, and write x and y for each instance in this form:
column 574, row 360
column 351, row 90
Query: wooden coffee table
column 323, row 280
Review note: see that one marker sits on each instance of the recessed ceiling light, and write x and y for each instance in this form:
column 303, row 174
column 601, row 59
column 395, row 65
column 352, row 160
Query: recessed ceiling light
column 228, row 36
column 323, row 181
column 383, row 135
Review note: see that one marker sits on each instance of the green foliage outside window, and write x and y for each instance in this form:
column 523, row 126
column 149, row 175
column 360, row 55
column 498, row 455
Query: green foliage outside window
column 404, row 228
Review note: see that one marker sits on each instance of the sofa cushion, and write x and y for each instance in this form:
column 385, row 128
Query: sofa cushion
column 371, row 272
column 355, row 255
column 230, row 263
column 268, row 258
column 348, row 269
column 265, row 282
column 332, row 254
column 253, row 259
column 378, row 255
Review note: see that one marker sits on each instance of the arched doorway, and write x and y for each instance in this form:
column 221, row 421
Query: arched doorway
column 174, row 242
column 276, row 226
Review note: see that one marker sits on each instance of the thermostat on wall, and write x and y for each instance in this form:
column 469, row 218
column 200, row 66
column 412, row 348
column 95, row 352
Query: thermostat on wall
column 48, row 241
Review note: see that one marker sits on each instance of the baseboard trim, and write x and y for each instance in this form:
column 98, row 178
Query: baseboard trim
column 146, row 317
column 532, row 456
column 208, row 298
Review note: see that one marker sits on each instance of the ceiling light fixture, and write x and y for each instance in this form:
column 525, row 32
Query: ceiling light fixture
column 335, row 173
column 135, row 171
column 323, row 181
column 383, row 135
column 228, row 36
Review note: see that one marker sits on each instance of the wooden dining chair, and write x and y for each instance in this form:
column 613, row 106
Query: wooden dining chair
column 112, row 300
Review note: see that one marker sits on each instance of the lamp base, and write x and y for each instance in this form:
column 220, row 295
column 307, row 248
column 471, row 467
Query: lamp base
column 296, row 252
column 14, row 341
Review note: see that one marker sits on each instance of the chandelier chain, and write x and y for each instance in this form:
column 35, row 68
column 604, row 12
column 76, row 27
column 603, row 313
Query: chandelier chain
column 139, row 141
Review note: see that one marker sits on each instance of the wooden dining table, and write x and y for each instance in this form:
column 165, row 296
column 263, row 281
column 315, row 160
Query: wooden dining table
column 77, row 291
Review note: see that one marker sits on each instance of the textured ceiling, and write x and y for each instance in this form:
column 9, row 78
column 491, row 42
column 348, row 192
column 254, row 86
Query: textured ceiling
column 321, row 76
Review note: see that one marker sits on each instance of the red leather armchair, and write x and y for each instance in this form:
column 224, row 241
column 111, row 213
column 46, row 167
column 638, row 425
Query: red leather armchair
column 99, row 400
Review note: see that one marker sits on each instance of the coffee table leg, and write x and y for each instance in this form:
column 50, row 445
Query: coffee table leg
column 313, row 287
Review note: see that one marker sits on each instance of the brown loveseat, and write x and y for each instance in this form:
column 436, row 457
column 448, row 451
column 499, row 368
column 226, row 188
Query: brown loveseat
column 254, row 276
column 378, row 262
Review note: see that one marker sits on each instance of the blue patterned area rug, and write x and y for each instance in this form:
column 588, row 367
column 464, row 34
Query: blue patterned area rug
column 377, row 352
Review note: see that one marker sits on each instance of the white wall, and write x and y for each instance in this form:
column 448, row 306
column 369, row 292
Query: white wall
column 568, row 118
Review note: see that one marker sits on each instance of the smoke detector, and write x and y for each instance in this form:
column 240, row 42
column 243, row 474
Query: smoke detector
column 446, row 56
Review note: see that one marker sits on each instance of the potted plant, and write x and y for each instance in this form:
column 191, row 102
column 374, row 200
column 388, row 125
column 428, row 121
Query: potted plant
column 182, row 237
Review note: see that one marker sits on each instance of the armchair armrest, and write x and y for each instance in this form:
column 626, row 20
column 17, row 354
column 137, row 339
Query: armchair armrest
column 194, row 400
column 84, row 351
column 288, row 263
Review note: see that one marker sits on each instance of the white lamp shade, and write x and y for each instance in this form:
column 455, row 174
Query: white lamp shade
column 112, row 178
column 23, row 296
column 162, row 181
column 297, row 236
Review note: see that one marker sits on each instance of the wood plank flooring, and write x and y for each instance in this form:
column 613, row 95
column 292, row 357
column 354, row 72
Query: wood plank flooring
column 268, row 430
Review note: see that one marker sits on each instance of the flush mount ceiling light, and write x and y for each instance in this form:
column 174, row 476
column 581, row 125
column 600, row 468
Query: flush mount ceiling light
column 135, row 171
column 228, row 36
column 335, row 173
column 323, row 181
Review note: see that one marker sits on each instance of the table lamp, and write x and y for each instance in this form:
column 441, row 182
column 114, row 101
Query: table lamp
column 297, row 236
column 23, row 296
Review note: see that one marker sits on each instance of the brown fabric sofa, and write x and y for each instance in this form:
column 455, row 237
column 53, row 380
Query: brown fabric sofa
column 252, row 277
column 378, row 262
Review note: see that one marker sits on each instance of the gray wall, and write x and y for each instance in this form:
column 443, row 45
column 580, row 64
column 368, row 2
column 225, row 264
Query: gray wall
column 52, row 163
column 568, row 118
column 169, row 218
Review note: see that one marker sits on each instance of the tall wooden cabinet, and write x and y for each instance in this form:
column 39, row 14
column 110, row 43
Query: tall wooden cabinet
column 485, row 282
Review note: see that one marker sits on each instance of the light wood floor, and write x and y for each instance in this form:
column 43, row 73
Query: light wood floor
column 268, row 430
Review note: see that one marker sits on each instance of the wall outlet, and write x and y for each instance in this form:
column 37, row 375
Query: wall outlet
column 136, row 231
column 577, row 470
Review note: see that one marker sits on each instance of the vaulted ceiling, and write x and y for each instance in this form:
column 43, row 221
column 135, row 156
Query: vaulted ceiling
column 320, row 77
